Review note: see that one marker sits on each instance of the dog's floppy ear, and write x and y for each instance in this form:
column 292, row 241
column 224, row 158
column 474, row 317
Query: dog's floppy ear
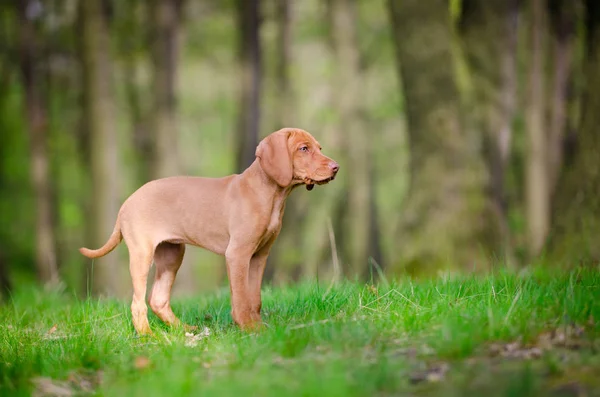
column 275, row 159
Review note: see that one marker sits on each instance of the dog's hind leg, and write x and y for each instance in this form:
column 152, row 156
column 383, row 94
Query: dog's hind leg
column 167, row 258
column 139, row 266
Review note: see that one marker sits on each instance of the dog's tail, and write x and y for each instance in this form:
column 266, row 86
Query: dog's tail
column 114, row 240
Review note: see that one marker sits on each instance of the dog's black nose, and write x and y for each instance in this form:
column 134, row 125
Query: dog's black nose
column 334, row 166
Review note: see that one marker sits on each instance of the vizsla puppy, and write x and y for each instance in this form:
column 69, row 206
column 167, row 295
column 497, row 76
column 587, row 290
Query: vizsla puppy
column 238, row 216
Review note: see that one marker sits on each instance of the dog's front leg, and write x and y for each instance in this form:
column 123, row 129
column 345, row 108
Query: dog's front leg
column 257, row 269
column 238, row 263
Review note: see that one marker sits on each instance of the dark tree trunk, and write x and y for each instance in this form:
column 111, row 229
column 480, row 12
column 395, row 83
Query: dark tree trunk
column 165, row 56
column 562, row 26
column 445, row 222
column 284, row 56
column 135, row 36
column 250, row 58
column 33, row 73
column 576, row 225
column 489, row 29
column 286, row 257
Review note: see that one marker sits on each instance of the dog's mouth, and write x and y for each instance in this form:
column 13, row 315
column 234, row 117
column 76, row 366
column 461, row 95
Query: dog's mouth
column 310, row 183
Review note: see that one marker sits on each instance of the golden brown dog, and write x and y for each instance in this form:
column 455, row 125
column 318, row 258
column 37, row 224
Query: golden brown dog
column 238, row 216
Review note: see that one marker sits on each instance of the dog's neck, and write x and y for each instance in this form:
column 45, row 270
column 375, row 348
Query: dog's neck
column 264, row 184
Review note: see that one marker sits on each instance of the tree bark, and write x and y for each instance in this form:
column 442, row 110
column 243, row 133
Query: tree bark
column 134, row 36
column 332, row 208
column 563, row 20
column 576, row 227
column 351, row 113
column 445, row 222
column 287, row 253
column 284, row 52
column 489, row 29
column 165, row 55
column 537, row 189
column 250, row 58
column 99, row 116
column 32, row 68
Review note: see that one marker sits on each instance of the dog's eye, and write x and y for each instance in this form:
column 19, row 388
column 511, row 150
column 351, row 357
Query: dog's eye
column 303, row 148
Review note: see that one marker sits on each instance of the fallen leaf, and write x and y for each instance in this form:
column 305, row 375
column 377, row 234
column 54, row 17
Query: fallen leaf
column 141, row 362
column 53, row 334
column 52, row 330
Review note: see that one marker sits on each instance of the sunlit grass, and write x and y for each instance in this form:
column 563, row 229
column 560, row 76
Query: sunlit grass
column 351, row 340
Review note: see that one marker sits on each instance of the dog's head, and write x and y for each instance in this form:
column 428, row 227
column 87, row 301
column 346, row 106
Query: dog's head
column 292, row 156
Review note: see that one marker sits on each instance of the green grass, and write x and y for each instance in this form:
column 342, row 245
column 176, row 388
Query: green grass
column 351, row 340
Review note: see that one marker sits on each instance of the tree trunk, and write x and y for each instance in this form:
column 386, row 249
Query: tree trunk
column 284, row 55
column 576, row 225
column 133, row 34
column 287, row 253
column 100, row 115
column 537, row 190
column 165, row 55
column 351, row 114
column 376, row 263
column 250, row 57
column 489, row 28
column 563, row 21
column 32, row 68
column 445, row 222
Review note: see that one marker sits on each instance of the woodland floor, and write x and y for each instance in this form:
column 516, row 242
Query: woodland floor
column 501, row 335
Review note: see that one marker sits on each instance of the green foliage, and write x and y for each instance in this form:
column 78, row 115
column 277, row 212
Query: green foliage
column 350, row 340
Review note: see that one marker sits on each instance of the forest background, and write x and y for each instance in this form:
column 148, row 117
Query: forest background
column 466, row 130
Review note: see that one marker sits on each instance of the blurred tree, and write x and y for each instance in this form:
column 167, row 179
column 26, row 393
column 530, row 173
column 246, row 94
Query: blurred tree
column 444, row 222
column 349, row 103
column 284, row 93
column 133, row 35
column 250, row 58
column 286, row 257
column 165, row 57
column 33, row 67
column 99, row 117
column 536, row 183
column 489, row 29
column 563, row 20
column 576, row 212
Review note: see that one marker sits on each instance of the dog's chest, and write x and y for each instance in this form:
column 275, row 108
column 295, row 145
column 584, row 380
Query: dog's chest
column 276, row 217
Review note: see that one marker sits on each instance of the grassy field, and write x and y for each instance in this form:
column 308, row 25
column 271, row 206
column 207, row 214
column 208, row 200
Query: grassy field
column 502, row 335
